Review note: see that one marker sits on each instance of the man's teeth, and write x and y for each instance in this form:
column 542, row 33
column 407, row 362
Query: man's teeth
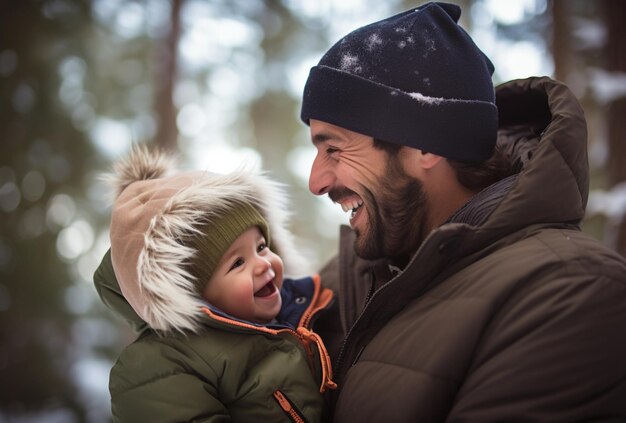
column 351, row 206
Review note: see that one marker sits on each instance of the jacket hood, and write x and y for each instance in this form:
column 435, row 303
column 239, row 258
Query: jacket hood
column 542, row 128
column 154, row 211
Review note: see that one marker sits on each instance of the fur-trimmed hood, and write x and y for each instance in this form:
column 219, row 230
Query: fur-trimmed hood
column 155, row 208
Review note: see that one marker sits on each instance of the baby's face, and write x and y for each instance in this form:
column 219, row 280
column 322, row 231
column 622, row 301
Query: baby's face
column 247, row 281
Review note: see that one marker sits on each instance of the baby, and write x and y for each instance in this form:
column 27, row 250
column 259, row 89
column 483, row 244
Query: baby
column 193, row 268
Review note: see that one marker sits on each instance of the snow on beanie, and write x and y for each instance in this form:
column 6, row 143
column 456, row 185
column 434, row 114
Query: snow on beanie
column 415, row 79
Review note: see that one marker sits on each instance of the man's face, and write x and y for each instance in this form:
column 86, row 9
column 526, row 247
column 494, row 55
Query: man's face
column 387, row 207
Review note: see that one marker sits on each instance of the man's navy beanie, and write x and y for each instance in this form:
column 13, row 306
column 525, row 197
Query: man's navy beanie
column 415, row 79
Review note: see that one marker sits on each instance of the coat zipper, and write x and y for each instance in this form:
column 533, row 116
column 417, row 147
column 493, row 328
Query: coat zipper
column 308, row 314
column 344, row 346
column 288, row 407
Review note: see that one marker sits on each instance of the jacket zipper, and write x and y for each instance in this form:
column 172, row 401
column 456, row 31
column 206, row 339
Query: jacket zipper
column 371, row 296
column 288, row 407
column 342, row 352
column 308, row 314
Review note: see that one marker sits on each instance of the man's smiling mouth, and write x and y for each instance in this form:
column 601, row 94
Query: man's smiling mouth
column 352, row 206
column 347, row 199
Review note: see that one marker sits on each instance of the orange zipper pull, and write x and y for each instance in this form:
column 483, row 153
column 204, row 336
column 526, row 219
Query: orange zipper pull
column 327, row 370
column 285, row 404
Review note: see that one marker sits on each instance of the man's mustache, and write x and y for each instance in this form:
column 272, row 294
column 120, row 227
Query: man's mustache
column 337, row 194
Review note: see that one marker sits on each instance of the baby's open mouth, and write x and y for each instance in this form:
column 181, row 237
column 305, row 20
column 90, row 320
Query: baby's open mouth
column 267, row 290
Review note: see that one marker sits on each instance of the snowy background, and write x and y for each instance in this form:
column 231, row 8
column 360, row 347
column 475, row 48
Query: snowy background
column 219, row 82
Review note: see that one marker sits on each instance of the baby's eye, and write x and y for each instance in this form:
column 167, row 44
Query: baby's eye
column 236, row 264
column 262, row 246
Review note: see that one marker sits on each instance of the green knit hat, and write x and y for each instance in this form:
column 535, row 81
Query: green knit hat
column 218, row 235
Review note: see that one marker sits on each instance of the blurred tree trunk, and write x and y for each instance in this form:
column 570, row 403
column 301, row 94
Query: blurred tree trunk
column 560, row 39
column 37, row 352
column 166, row 57
column 615, row 57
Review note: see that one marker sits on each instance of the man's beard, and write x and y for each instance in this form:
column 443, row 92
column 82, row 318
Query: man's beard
column 396, row 217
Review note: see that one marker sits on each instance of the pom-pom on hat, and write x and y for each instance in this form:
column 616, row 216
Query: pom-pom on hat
column 169, row 230
column 415, row 79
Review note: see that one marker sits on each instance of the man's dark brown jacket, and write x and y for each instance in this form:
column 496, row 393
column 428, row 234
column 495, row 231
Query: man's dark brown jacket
column 514, row 315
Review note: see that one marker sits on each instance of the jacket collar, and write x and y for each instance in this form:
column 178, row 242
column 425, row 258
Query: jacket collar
column 478, row 209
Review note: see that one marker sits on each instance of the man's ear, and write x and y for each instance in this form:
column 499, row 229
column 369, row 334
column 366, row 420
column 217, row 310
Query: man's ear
column 428, row 160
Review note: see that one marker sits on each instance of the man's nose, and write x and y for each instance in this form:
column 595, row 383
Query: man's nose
column 321, row 177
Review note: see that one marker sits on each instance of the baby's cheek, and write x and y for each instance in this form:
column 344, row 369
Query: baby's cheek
column 243, row 295
column 240, row 303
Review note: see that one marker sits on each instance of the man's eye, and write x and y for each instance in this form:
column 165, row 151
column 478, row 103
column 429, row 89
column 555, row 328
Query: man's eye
column 331, row 150
column 236, row 264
